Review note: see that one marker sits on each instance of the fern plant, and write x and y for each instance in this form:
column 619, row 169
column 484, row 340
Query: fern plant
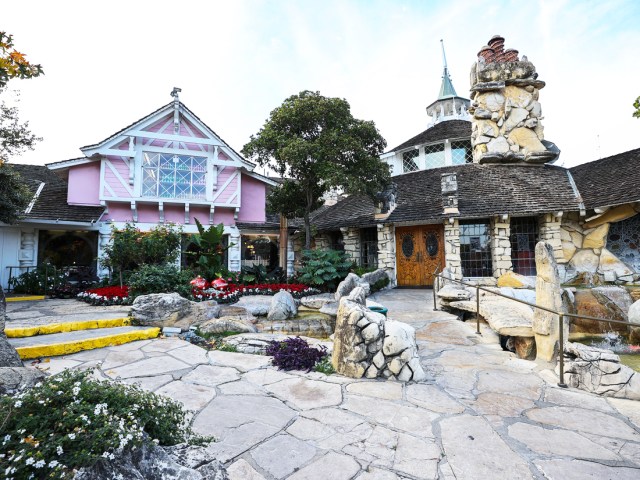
column 210, row 250
column 324, row 269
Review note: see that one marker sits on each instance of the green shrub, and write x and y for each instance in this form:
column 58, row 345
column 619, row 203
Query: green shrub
column 34, row 281
column 324, row 366
column 160, row 279
column 379, row 285
column 358, row 270
column 324, row 268
column 210, row 250
column 71, row 421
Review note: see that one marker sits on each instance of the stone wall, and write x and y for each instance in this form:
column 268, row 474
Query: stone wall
column 351, row 238
column 452, row 249
column 550, row 233
column 583, row 248
column 500, row 246
column 506, row 112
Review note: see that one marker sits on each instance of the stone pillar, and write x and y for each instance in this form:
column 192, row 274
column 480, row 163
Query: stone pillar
column 549, row 295
column 351, row 237
column 387, row 250
column 104, row 238
column 452, row 248
column 291, row 256
column 500, row 246
column 323, row 242
column 27, row 255
column 298, row 248
column 235, row 250
column 550, row 233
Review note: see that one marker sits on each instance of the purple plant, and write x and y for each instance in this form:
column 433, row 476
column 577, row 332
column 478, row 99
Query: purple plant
column 295, row 354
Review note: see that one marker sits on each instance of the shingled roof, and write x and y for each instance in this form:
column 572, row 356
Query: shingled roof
column 440, row 131
column 483, row 191
column 51, row 203
column 609, row 181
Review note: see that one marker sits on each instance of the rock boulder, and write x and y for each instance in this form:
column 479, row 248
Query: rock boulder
column 13, row 379
column 282, row 307
column 168, row 310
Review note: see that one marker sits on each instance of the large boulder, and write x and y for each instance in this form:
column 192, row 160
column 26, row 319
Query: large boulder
column 150, row 462
column 13, row 379
column 515, row 280
column 282, row 307
column 634, row 317
column 256, row 343
column 375, row 276
column 168, row 310
column 227, row 324
column 347, row 285
column 257, row 305
column 317, row 301
column 599, row 371
column 601, row 302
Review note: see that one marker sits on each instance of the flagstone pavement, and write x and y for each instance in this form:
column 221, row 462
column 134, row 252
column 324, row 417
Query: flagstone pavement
column 481, row 414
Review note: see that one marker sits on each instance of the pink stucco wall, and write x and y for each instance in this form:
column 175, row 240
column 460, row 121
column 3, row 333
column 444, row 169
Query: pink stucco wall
column 253, row 200
column 84, row 181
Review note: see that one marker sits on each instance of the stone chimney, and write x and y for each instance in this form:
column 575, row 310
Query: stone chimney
column 506, row 112
column 449, row 189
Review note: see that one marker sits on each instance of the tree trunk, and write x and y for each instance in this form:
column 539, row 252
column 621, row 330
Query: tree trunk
column 307, row 232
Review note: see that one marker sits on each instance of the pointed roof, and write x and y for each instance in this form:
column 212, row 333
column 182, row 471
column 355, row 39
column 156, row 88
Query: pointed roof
column 446, row 89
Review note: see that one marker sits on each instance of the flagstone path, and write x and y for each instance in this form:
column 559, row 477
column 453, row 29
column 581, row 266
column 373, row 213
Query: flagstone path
column 481, row 414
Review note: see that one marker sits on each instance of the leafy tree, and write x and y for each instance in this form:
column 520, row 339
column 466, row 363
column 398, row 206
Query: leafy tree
column 15, row 137
column 316, row 145
column 636, row 105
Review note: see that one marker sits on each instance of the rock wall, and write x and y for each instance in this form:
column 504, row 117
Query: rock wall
column 367, row 345
column 506, row 112
column 501, row 246
column 452, row 249
column 351, row 238
column 584, row 251
column 387, row 249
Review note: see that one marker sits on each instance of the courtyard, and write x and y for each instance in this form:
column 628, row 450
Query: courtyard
column 480, row 413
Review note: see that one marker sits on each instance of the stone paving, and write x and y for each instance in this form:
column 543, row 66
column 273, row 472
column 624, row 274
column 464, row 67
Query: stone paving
column 481, row 414
column 45, row 312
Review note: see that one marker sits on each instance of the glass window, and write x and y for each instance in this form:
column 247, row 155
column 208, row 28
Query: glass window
column 260, row 250
column 461, row 152
column 173, row 176
column 475, row 248
column 369, row 247
column 524, row 236
column 408, row 161
column 434, row 155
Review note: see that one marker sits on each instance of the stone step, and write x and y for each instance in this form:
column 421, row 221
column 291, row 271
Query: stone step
column 75, row 341
column 70, row 326
column 504, row 316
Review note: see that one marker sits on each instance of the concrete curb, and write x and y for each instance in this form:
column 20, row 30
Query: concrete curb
column 25, row 299
column 67, row 348
column 21, row 332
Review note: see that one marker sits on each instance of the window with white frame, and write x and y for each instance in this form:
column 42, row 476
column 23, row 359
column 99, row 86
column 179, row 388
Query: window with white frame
column 409, row 161
column 434, row 155
column 173, row 176
column 461, row 152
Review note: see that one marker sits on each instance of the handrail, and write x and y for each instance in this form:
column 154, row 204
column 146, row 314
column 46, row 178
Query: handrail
column 561, row 316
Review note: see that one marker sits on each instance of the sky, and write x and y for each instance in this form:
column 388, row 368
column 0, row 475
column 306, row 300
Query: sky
column 107, row 64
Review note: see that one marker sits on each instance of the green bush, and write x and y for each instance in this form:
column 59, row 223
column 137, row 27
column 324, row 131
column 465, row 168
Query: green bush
column 34, row 281
column 160, row 279
column 71, row 421
column 379, row 285
column 358, row 270
column 324, row 268
column 210, row 250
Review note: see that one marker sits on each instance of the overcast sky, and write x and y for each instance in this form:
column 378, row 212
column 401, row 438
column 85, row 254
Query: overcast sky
column 108, row 64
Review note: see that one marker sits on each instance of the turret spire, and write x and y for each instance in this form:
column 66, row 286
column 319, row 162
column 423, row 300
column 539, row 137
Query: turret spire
column 446, row 89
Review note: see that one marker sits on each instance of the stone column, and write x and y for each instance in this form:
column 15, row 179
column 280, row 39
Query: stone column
column 351, row 237
column 291, row 256
column 550, row 233
column 387, row 250
column 235, row 249
column 500, row 246
column 549, row 295
column 104, row 238
column 452, row 248
column 27, row 256
column 323, row 242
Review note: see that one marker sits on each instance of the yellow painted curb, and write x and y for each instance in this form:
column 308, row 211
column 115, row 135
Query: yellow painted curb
column 21, row 332
column 67, row 348
column 25, row 299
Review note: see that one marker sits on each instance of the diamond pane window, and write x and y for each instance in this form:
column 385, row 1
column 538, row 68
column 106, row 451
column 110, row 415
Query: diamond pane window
column 173, row 176
column 475, row 249
column 461, row 152
column 408, row 161
column 434, row 155
column 524, row 236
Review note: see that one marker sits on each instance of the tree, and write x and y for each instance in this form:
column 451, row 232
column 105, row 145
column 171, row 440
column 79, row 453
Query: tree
column 316, row 145
column 15, row 137
column 636, row 105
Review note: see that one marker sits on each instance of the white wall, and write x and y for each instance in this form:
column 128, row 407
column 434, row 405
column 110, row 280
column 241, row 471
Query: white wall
column 9, row 248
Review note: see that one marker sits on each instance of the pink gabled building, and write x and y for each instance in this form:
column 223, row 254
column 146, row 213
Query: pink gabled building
column 167, row 167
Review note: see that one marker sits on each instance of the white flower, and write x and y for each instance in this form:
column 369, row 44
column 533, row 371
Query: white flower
column 29, row 461
column 7, row 438
column 18, row 404
column 53, row 464
column 72, row 436
column 59, row 450
column 40, row 464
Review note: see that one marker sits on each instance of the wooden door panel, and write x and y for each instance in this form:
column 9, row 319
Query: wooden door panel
column 419, row 251
column 432, row 241
column 407, row 254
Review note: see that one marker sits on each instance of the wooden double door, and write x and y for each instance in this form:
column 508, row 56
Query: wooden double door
column 419, row 251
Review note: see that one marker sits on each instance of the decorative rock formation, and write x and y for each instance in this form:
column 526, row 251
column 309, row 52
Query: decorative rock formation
column 602, row 302
column 549, row 295
column 257, row 343
column 600, row 371
column 506, row 112
column 515, row 280
column 365, row 345
column 13, row 379
column 634, row 317
column 366, row 281
column 283, row 306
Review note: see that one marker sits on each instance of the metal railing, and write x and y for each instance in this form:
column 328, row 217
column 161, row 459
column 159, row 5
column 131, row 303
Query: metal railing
column 26, row 269
column 561, row 315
